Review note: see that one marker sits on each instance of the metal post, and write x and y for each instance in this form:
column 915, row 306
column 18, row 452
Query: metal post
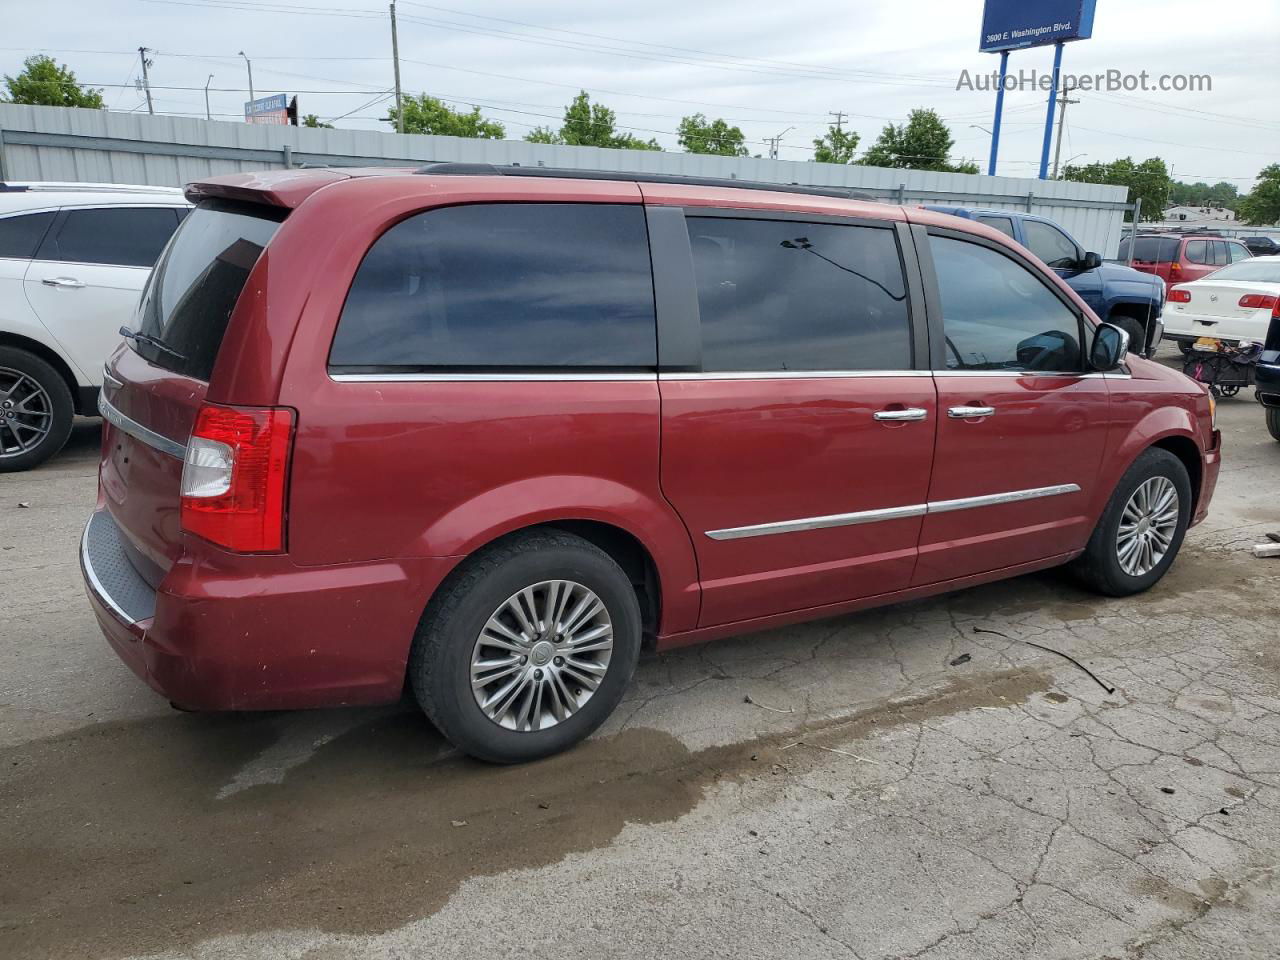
column 287, row 149
column 1053, row 106
column 395, row 60
column 995, row 127
column 1062, row 121
column 207, row 114
column 1133, row 233
column 3, row 174
column 146, row 80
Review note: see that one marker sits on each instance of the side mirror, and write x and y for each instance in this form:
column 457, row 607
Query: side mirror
column 1091, row 261
column 1109, row 348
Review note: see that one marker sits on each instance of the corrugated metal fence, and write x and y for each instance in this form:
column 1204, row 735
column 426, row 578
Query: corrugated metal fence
column 56, row 143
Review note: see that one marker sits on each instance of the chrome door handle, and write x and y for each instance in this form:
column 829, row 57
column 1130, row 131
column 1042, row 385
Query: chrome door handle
column 965, row 413
column 62, row 282
column 910, row 413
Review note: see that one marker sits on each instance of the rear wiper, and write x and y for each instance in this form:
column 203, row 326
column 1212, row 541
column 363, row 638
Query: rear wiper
column 150, row 340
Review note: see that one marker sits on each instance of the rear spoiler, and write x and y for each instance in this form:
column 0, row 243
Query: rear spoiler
column 276, row 188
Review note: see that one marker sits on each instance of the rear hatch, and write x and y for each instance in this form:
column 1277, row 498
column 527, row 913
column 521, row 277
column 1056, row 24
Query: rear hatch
column 155, row 384
column 1151, row 254
column 1234, row 309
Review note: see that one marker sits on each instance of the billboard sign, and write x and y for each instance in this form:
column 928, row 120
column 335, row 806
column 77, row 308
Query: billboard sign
column 1015, row 24
column 272, row 109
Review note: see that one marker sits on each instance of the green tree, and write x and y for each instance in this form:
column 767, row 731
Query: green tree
column 588, row 124
column 46, row 83
column 311, row 120
column 1148, row 180
column 837, row 146
column 700, row 135
column 424, row 114
column 1261, row 207
column 1201, row 194
column 923, row 143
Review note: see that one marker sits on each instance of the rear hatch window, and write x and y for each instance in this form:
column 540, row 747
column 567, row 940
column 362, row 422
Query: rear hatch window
column 194, row 287
column 1150, row 249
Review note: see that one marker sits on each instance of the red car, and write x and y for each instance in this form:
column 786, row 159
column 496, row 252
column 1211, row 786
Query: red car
column 487, row 433
column 1180, row 257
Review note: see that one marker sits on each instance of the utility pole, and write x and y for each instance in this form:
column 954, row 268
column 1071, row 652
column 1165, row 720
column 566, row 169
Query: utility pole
column 207, row 114
column 775, row 142
column 395, row 60
column 1062, row 119
column 146, row 80
column 839, row 115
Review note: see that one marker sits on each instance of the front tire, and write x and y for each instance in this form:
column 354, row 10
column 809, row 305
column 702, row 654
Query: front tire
column 1273, row 422
column 36, row 410
column 527, row 648
column 1141, row 529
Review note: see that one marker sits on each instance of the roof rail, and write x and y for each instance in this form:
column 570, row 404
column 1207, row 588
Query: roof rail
column 57, row 187
column 444, row 168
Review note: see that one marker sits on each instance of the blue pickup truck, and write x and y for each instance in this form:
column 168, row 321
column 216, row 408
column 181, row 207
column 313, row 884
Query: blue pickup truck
column 1118, row 294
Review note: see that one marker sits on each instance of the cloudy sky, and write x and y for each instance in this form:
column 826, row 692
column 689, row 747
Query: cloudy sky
column 769, row 67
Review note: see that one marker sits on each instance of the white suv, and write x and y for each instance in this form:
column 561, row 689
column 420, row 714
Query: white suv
column 73, row 260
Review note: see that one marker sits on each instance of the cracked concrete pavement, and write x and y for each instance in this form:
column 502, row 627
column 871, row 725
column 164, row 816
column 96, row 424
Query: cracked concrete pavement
column 871, row 801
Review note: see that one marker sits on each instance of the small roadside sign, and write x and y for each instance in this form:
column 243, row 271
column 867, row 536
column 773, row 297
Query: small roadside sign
column 272, row 110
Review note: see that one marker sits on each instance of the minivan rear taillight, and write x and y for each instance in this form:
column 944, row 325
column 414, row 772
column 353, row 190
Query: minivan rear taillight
column 233, row 479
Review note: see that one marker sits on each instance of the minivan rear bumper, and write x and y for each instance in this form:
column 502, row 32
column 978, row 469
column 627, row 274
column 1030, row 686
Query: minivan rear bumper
column 232, row 632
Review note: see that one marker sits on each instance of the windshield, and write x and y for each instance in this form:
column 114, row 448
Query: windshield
column 1265, row 271
column 1150, row 249
column 194, row 287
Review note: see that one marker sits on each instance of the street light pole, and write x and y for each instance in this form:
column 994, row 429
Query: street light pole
column 249, row 67
column 207, row 114
column 395, row 60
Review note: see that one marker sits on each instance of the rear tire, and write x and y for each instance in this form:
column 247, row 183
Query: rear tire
column 1141, row 530
column 1273, row 422
column 36, row 410
column 460, row 658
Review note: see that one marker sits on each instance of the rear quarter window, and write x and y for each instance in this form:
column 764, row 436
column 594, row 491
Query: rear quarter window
column 21, row 235
column 505, row 285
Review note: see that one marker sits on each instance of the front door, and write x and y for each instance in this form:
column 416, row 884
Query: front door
column 799, row 455
column 88, row 273
column 1021, row 425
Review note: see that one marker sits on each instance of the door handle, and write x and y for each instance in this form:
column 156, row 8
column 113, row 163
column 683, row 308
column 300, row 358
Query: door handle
column 62, row 282
column 966, row 413
column 910, row 413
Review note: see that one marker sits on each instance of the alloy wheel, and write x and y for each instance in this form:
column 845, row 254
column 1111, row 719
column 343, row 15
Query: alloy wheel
column 1147, row 526
column 26, row 413
column 541, row 655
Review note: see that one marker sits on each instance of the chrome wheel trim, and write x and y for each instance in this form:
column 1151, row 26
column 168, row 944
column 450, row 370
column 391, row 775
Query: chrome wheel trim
column 1148, row 525
column 541, row 655
column 26, row 413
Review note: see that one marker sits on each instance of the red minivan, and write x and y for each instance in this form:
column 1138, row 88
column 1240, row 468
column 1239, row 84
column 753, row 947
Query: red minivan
column 486, row 433
column 1180, row 257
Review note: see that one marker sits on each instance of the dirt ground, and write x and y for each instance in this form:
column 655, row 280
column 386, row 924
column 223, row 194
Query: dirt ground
column 873, row 798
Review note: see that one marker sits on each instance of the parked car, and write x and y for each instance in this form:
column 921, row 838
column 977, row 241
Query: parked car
column 1237, row 302
column 1267, row 375
column 486, row 432
column 1119, row 294
column 73, row 259
column 1261, row 246
column 1181, row 257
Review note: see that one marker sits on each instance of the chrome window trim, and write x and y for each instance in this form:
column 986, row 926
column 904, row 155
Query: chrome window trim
column 99, row 590
column 1075, row 374
column 891, row 513
column 791, row 374
column 136, row 430
column 488, row 377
